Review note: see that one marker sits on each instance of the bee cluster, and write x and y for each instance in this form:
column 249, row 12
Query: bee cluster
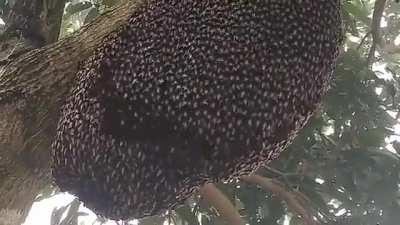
column 188, row 92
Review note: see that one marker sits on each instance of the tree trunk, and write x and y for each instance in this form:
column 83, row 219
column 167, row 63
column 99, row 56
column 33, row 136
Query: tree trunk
column 33, row 85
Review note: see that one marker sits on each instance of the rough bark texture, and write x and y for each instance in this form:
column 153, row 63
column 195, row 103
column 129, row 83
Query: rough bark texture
column 33, row 84
column 36, row 20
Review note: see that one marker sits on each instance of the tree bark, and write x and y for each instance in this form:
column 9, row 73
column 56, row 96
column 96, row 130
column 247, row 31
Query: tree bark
column 33, row 85
column 223, row 205
column 38, row 21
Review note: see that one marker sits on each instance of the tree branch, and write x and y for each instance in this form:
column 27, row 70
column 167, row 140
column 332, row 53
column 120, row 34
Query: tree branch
column 50, row 69
column 32, row 88
column 223, row 205
column 37, row 20
column 375, row 28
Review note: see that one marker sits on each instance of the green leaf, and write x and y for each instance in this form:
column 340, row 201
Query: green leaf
column 384, row 157
column 187, row 215
column 373, row 137
column 57, row 213
column 384, row 191
column 309, row 189
column 92, row 14
column 73, row 212
column 152, row 220
column 110, row 3
column 358, row 9
column 205, row 220
column 2, row 4
column 46, row 192
column 273, row 209
column 76, row 7
column 295, row 220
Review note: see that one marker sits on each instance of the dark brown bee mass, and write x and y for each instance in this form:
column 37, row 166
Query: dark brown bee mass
column 188, row 92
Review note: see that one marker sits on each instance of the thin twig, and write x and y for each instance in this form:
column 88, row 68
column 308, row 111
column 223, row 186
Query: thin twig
column 284, row 176
column 363, row 40
column 280, row 173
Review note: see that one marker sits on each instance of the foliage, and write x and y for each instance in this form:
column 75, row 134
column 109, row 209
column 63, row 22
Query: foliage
column 78, row 13
column 3, row 4
column 340, row 168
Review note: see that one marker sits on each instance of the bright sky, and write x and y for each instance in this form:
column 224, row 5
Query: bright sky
column 40, row 213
